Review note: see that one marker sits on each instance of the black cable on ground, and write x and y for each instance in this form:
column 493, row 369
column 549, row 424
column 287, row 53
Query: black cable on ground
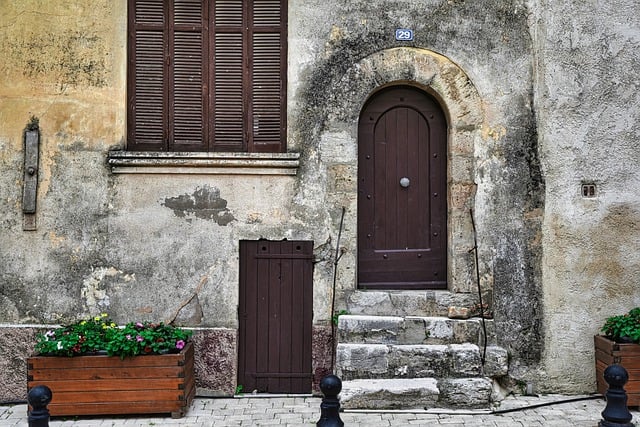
column 540, row 405
column 475, row 412
column 13, row 402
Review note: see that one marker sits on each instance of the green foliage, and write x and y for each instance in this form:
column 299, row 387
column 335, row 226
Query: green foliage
column 337, row 315
column 239, row 389
column 624, row 327
column 101, row 334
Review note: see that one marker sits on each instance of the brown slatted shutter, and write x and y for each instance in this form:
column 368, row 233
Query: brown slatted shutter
column 228, row 94
column 188, row 98
column 207, row 75
column 267, row 65
column 147, row 95
column 249, row 79
column 167, row 97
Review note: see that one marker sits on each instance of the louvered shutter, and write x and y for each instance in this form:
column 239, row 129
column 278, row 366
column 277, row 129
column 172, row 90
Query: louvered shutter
column 228, row 94
column 187, row 97
column 207, row 75
column 267, row 65
column 147, row 95
column 249, row 78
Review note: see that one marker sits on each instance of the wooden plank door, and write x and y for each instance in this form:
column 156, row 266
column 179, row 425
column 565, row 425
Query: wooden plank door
column 402, row 191
column 275, row 314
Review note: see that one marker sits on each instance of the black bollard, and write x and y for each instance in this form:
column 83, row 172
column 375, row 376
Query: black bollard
column 39, row 397
column 616, row 414
column 330, row 386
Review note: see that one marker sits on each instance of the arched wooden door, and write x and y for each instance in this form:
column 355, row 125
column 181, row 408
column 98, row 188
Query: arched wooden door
column 402, row 191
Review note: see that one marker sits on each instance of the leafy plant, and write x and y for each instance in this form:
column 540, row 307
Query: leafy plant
column 337, row 315
column 239, row 389
column 101, row 334
column 624, row 327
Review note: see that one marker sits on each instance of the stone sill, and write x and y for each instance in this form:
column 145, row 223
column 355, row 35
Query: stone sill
column 204, row 163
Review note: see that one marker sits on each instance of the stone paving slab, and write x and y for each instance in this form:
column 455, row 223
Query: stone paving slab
column 520, row 411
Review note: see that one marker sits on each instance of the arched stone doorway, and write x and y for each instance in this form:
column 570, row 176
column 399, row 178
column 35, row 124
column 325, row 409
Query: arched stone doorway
column 402, row 189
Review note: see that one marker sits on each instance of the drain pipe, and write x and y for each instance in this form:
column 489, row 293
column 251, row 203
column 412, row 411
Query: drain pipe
column 333, row 290
column 475, row 251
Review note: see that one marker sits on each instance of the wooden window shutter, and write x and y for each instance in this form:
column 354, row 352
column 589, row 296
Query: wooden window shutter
column 207, row 75
column 267, row 66
column 146, row 126
column 228, row 102
column 249, row 79
column 188, row 68
column 167, row 70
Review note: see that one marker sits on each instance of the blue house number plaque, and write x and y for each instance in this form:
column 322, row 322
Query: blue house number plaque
column 404, row 34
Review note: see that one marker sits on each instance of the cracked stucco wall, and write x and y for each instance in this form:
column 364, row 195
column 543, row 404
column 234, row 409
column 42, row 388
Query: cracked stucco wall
column 555, row 104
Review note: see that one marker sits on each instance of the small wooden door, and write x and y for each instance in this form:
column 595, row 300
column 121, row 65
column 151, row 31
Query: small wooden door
column 402, row 192
column 275, row 315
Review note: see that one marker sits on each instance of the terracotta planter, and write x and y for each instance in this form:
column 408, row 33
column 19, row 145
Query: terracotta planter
column 101, row 385
column 628, row 355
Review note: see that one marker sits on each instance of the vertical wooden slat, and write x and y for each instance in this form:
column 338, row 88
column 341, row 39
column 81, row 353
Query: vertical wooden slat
column 402, row 209
column 307, row 317
column 298, row 319
column 274, row 316
column 263, row 324
column 286, row 318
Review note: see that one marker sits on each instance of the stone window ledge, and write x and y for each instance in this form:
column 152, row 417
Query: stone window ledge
column 204, row 163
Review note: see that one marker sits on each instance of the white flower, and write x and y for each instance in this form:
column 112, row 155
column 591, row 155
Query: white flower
column 59, row 345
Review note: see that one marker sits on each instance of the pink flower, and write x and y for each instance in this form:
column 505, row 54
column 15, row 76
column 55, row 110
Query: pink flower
column 180, row 344
column 139, row 325
column 139, row 338
column 128, row 336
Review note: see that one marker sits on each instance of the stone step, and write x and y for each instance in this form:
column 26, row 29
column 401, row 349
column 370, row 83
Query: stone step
column 384, row 361
column 408, row 303
column 413, row 330
column 419, row 393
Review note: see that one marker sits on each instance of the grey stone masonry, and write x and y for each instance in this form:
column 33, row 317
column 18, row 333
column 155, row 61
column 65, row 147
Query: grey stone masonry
column 392, row 362
column 413, row 330
column 407, row 361
column 389, row 394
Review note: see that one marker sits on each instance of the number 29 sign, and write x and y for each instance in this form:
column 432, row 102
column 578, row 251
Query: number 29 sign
column 404, row 34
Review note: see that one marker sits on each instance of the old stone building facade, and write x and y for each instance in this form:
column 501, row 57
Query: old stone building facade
column 540, row 112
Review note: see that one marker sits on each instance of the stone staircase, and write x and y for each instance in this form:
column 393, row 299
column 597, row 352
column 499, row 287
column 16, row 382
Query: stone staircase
column 403, row 362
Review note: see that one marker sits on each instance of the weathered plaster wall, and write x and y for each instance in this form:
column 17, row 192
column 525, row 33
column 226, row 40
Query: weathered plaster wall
column 160, row 247
column 353, row 45
column 588, row 103
column 63, row 63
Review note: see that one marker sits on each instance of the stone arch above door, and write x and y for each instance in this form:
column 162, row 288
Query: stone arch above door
column 450, row 85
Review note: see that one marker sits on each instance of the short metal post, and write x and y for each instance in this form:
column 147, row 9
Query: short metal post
column 330, row 386
column 616, row 413
column 39, row 397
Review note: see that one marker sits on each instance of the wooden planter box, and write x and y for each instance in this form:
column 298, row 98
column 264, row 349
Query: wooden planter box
column 609, row 352
column 103, row 385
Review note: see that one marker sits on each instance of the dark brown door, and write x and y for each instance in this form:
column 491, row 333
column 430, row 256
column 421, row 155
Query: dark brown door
column 276, row 313
column 402, row 200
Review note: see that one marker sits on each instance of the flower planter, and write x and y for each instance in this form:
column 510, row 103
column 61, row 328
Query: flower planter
column 608, row 352
column 104, row 385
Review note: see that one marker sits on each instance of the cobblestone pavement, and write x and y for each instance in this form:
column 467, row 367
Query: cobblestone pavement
column 548, row 411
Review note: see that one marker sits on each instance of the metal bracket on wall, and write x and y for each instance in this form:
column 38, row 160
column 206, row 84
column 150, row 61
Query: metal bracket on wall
column 30, row 185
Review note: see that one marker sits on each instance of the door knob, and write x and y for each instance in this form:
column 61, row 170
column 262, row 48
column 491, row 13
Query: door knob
column 404, row 182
